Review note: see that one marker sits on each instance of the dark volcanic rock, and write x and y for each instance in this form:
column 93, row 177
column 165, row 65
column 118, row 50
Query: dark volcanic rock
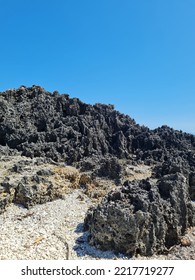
column 192, row 185
column 6, row 195
column 142, row 217
column 33, row 190
column 110, row 168
column 165, row 144
column 41, row 124
column 38, row 123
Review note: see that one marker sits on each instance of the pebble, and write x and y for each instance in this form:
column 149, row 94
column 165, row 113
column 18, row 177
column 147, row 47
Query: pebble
column 53, row 231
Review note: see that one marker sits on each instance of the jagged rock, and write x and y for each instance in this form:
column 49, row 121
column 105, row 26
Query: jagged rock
column 45, row 172
column 45, row 185
column 38, row 123
column 45, row 129
column 142, row 217
column 32, row 181
column 165, row 144
column 192, row 185
column 34, row 190
column 110, row 168
column 171, row 166
column 6, row 195
column 6, row 151
column 41, row 124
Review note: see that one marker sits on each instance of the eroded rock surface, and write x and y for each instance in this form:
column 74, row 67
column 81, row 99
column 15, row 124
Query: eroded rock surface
column 38, row 123
column 142, row 217
column 42, row 133
column 33, row 181
column 43, row 124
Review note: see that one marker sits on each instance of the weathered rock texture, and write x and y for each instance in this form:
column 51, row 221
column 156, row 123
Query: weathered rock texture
column 33, row 181
column 38, row 123
column 43, row 124
column 142, row 217
column 48, row 128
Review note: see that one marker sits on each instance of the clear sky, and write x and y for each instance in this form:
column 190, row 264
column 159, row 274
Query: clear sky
column 136, row 54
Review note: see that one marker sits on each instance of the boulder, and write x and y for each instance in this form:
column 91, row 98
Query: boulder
column 142, row 217
column 33, row 181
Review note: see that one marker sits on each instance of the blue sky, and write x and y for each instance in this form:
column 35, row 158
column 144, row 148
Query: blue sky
column 136, row 54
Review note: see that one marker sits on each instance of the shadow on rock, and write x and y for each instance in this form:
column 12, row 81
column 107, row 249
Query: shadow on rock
column 142, row 217
column 83, row 248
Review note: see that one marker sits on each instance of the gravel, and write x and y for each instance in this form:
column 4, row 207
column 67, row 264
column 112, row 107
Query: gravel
column 54, row 231
column 48, row 231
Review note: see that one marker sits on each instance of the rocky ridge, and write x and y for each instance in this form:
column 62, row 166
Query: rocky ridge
column 38, row 123
column 43, row 133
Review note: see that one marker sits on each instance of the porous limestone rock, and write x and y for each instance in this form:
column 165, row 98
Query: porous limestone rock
column 142, row 217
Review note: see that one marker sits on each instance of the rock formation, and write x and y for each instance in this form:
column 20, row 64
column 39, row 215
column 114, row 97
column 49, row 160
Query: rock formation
column 142, row 217
column 38, row 123
column 28, row 181
column 50, row 130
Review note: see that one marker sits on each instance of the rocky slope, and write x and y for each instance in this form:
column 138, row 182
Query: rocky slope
column 42, row 132
column 42, row 124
